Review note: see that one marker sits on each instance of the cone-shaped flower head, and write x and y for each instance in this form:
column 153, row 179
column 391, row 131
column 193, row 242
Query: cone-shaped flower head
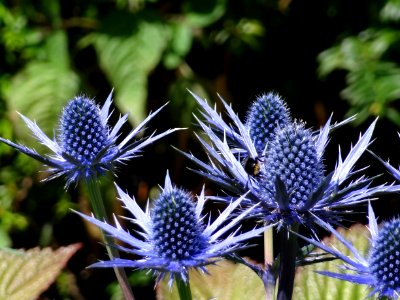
column 267, row 113
column 293, row 160
column 176, row 231
column 86, row 146
column 384, row 258
column 83, row 135
column 289, row 181
column 173, row 235
column 381, row 270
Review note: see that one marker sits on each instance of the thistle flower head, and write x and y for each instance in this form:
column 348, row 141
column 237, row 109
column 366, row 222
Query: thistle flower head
column 176, row 233
column 381, row 269
column 173, row 237
column 384, row 259
column 267, row 113
column 293, row 159
column 83, row 135
column 291, row 184
column 86, row 146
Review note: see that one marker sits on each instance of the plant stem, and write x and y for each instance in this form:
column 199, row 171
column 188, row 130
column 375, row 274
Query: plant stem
column 269, row 280
column 100, row 214
column 287, row 267
column 183, row 289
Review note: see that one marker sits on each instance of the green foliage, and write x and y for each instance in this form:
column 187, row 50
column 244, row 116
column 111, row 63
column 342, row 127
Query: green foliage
column 372, row 74
column 391, row 11
column 310, row 285
column 226, row 281
column 52, row 51
column 203, row 13
column 129, row 47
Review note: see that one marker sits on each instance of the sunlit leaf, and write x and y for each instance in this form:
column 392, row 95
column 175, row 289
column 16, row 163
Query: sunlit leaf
column 391, row 11
column 372, row 83
column 201, row 13
column 226, row 281
column 40, row 91
column 312, row 286
column 26, row 274
column 179, row 45
column 129, row 47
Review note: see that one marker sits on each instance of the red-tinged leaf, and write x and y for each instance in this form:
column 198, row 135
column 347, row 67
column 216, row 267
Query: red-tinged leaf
column 25, row 274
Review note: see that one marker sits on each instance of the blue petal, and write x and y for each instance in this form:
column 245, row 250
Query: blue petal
column 118, row 232
column 360, row 279
column 344, row 168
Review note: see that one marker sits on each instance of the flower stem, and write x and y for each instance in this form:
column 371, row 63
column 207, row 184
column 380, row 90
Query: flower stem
column 100, row 214
column 184, row 289
column 269, row 281
column 287, row 267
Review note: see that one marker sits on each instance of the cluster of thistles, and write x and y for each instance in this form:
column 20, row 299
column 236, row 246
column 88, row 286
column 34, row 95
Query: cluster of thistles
column 269, row 168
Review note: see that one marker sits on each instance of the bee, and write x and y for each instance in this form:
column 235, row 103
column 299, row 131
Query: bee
column 252, row 166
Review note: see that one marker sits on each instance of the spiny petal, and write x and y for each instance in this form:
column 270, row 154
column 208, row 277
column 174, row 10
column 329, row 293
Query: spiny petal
column 142, row 218
column 135, row 131
column 200, row 203
column 235, row 240
column 223, row 216
column 244, row 132
column 343, row 169
column 372, row 224
column 104, row 112
column 41, row 136
column 131, row 149
column 117, row 232
column 323, row 138
column 232, row 223
column 358, row 278
column 32, row 153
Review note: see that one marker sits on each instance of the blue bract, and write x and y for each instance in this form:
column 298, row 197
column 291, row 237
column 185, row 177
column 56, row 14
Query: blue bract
column 86, row 146
column 173, row 236
column 288, row 181
column 381, row 269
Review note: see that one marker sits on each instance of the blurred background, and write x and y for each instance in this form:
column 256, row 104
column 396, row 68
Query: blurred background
column 322, row 57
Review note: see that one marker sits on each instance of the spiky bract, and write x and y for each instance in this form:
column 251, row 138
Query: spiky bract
column 173, row 236
column 86, row 146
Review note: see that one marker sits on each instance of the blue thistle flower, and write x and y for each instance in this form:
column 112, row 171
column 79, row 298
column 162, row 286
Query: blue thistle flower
column 86, row 146
column 236, row 133
column 381, row 269
column 292, row 185
column 174, row 238
column 384, row 258
column 293, row 159
column 267, row 113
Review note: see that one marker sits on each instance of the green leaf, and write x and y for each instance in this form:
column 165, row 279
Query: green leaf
column 183, row 100
column 390, row 11
column 57, row 49
column 310, row 285
column 372, row 83
column 357, row 53
column 39, row 92
column 129, row 47
column 26, row 274
column 226, row 281
column 201, row 13
column 179, row 45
